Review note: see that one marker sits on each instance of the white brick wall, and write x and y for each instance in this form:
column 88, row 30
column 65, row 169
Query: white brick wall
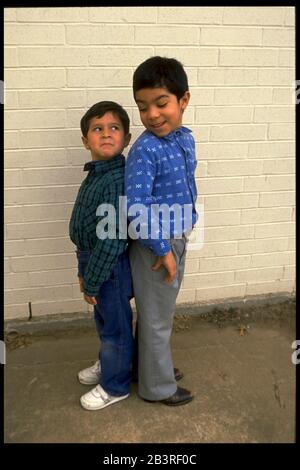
column 240, row 62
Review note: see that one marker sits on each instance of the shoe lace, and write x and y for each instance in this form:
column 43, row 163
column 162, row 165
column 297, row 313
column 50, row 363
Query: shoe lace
column 96, row 367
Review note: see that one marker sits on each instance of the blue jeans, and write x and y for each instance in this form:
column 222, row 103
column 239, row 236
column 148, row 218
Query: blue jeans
column 113, row 318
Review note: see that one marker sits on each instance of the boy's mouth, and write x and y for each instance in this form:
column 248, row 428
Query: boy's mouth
column 157, row 126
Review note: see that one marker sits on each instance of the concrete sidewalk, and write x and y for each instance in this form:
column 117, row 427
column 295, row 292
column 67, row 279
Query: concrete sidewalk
column 238, row 366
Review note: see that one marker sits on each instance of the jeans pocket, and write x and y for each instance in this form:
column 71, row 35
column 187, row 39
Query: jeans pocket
column 114, row 274
column 123, row 275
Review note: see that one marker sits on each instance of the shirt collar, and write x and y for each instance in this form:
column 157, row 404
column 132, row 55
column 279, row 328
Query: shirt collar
column 177, row 133
column 103, row 166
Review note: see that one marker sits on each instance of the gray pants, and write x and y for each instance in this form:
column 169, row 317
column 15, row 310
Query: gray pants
column 155, row 302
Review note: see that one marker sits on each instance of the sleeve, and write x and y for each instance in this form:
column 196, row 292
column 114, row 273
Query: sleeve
column 107, row 250
column 140, row 174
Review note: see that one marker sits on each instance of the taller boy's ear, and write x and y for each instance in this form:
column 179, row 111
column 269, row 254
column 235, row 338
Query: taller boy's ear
column 127, row 140
column 85, row 142
column 184, row 100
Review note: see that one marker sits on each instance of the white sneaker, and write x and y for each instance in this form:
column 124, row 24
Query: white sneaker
column 90, row 375
column 97, row 399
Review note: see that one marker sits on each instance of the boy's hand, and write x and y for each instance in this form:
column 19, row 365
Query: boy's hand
column 90, row 300
column 80, row 279
column 168, row 261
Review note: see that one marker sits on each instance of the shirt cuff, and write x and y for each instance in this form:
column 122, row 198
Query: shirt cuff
column 91, row 290
column 161, row 248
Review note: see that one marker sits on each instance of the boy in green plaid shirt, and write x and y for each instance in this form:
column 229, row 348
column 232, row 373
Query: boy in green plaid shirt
column 103, row 264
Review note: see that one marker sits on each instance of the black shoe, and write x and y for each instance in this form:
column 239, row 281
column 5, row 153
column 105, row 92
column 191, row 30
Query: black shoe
column 177, row 374
column 180, row 397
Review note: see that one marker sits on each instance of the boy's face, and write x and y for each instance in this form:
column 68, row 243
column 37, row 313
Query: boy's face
column 160, row 111
column 106, row 138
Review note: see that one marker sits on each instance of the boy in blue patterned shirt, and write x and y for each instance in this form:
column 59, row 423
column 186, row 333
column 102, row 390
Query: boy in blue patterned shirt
column 103, row 264
column 160, row 172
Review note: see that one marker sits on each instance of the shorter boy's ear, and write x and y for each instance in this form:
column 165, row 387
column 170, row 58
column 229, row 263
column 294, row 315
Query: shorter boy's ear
column 127, row 140
column 85, row 142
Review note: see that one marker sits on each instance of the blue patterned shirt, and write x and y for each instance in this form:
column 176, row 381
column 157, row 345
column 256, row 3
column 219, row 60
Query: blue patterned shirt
column 161, row 170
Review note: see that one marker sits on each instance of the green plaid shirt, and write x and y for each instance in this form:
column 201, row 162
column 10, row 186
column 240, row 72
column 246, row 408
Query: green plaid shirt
column 103, row 184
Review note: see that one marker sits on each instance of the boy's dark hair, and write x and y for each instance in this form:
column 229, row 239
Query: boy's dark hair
column 161, row 72
column 101, row 108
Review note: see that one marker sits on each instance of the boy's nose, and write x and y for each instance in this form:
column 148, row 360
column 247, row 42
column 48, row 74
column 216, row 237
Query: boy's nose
column 105, row 133
column 153, row 113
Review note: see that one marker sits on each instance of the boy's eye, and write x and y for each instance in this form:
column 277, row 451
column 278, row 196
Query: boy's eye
column 159, row 105
column 115, row 128
column 97, row 128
